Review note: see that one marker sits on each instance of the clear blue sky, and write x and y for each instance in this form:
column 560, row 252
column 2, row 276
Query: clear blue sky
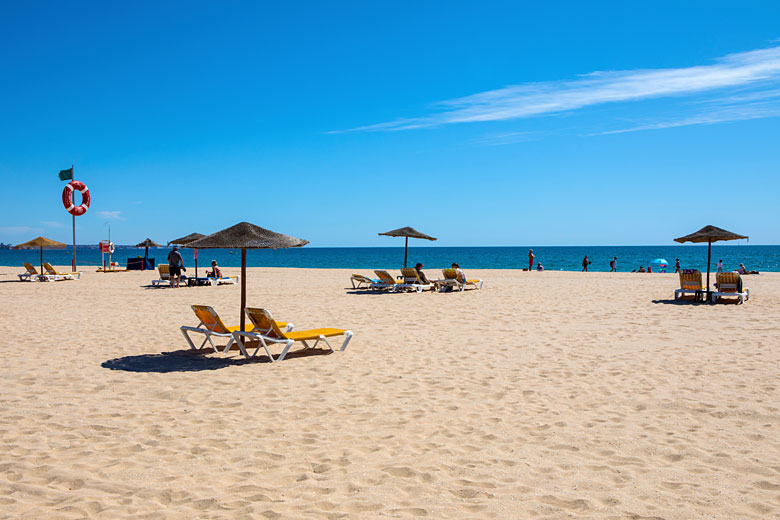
column 481, row 123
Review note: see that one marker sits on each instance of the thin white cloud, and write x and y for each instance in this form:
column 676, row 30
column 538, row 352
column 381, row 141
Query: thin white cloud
column 110, row 215
column 506, row 138
column 757, row 111
column 52, row 223
column 740, row 70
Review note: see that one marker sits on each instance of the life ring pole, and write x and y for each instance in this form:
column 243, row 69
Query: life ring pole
column 73, row 217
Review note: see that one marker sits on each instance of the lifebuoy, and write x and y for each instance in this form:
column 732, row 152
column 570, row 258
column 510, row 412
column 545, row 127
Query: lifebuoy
column 67, row 198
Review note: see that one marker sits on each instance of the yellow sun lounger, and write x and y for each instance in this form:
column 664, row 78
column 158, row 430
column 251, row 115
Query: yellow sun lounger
column 730, row 284
column 212, row 325
column 30, row 275
column 266, row 331
column 690, row 283
column 358, row 281
column 60, row 276
column 451, row 279
column 412, row 280
column 386, row 281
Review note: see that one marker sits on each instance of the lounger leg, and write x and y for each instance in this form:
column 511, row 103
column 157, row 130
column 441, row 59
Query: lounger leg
column 284, row 352
column 346, row 341
column 187, row 337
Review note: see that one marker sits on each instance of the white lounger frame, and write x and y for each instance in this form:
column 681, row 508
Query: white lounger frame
column 288, row 343
column 744, row 295
column 202, row 329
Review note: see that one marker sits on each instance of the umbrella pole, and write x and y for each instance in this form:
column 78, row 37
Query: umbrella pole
column 709, row 256
column 41, row 259
column 196, row 271
column 243, row 288
column 406, row 250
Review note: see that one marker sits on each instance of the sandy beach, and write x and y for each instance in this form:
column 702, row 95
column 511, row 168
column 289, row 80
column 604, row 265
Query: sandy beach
column 544, row 395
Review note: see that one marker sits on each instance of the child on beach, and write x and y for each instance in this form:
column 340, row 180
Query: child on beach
column 613, row 265
column 677, row 266
column 585, row 263
column 720, row 265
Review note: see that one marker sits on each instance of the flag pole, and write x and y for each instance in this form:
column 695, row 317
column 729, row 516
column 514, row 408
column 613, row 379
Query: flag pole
column 74, row 232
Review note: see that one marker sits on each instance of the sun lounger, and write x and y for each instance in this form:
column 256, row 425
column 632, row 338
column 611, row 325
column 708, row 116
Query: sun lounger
column 30, row 275
column 386, row 281
column 730, row 284
column 165, row 276
column 212, row 325
column 412, row 280
column 223, row 280
column 690, row 283
column 60, row 276
column 451, row 280
column 359, row 281
column 267, row 332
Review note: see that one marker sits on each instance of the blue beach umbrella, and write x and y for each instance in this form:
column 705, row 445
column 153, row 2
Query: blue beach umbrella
column 661, row 261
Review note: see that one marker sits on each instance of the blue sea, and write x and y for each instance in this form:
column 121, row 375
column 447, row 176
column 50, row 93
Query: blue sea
column 565, row 258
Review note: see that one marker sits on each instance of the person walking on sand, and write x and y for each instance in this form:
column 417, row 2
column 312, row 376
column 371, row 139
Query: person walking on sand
column 613, row 265
column 531, row 260
column 720, row 265
column 677, row 265
column 175, row 266
column 585, row 263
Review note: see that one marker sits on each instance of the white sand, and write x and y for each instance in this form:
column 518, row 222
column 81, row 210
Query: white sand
column 545, row 395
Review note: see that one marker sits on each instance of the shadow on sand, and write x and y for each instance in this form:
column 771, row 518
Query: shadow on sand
column 195, row 360
column 691, row 301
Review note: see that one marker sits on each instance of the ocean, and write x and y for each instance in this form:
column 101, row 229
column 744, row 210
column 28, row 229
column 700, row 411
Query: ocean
column 365, row 259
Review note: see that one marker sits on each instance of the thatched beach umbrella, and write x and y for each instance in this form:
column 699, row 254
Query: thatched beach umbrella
column 407, row 232
column 183, row 241
column 40, row 243
column 246, row 236
column 709, row 234
column 146, row 244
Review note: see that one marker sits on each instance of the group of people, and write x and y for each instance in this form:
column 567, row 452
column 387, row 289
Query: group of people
column 176, row 267
column 424, row 279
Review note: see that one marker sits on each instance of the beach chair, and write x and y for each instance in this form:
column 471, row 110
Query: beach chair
column 230, row 280
column 386, row 281
column 165, row 275
column 451, row 279
column 359, row 281
column 60, row 276
column 729, row 284
column 30, row 275
column 212, row 325
column 690, row 283
column 267, row 332
column 412, row 280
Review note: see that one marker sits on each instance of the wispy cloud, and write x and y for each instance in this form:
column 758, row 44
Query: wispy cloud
column 739, row 113
column 506, row 138
column 52, row 223
column 110, row 215
column 753, row 69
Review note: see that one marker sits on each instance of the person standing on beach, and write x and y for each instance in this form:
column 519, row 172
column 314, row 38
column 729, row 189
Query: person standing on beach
column 531, row 260
column 720, row 265
column 585, row 263
column 677, row 265
column 175, row 266
column 613, row 265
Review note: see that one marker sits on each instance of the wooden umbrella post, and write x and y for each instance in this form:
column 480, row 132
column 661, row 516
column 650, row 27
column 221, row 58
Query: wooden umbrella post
column 709, row 256
column 41, row 259
column 243, row 288
column 406, row 250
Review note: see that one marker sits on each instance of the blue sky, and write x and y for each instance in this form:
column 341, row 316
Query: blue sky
column 491, row 123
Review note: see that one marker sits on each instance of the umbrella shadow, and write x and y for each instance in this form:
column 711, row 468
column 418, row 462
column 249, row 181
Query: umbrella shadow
column 193, row 361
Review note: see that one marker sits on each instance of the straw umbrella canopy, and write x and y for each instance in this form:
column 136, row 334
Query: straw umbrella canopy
column 183, row 241
column 146, row 244
column 40, row 243
column 709, row 234
column 246, row 236
column 186, row 240
column 407, row 232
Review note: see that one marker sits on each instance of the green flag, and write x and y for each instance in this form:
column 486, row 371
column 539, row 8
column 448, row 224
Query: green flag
column 66, row 175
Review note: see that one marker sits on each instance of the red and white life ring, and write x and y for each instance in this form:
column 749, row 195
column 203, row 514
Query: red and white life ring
column 67, row 198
